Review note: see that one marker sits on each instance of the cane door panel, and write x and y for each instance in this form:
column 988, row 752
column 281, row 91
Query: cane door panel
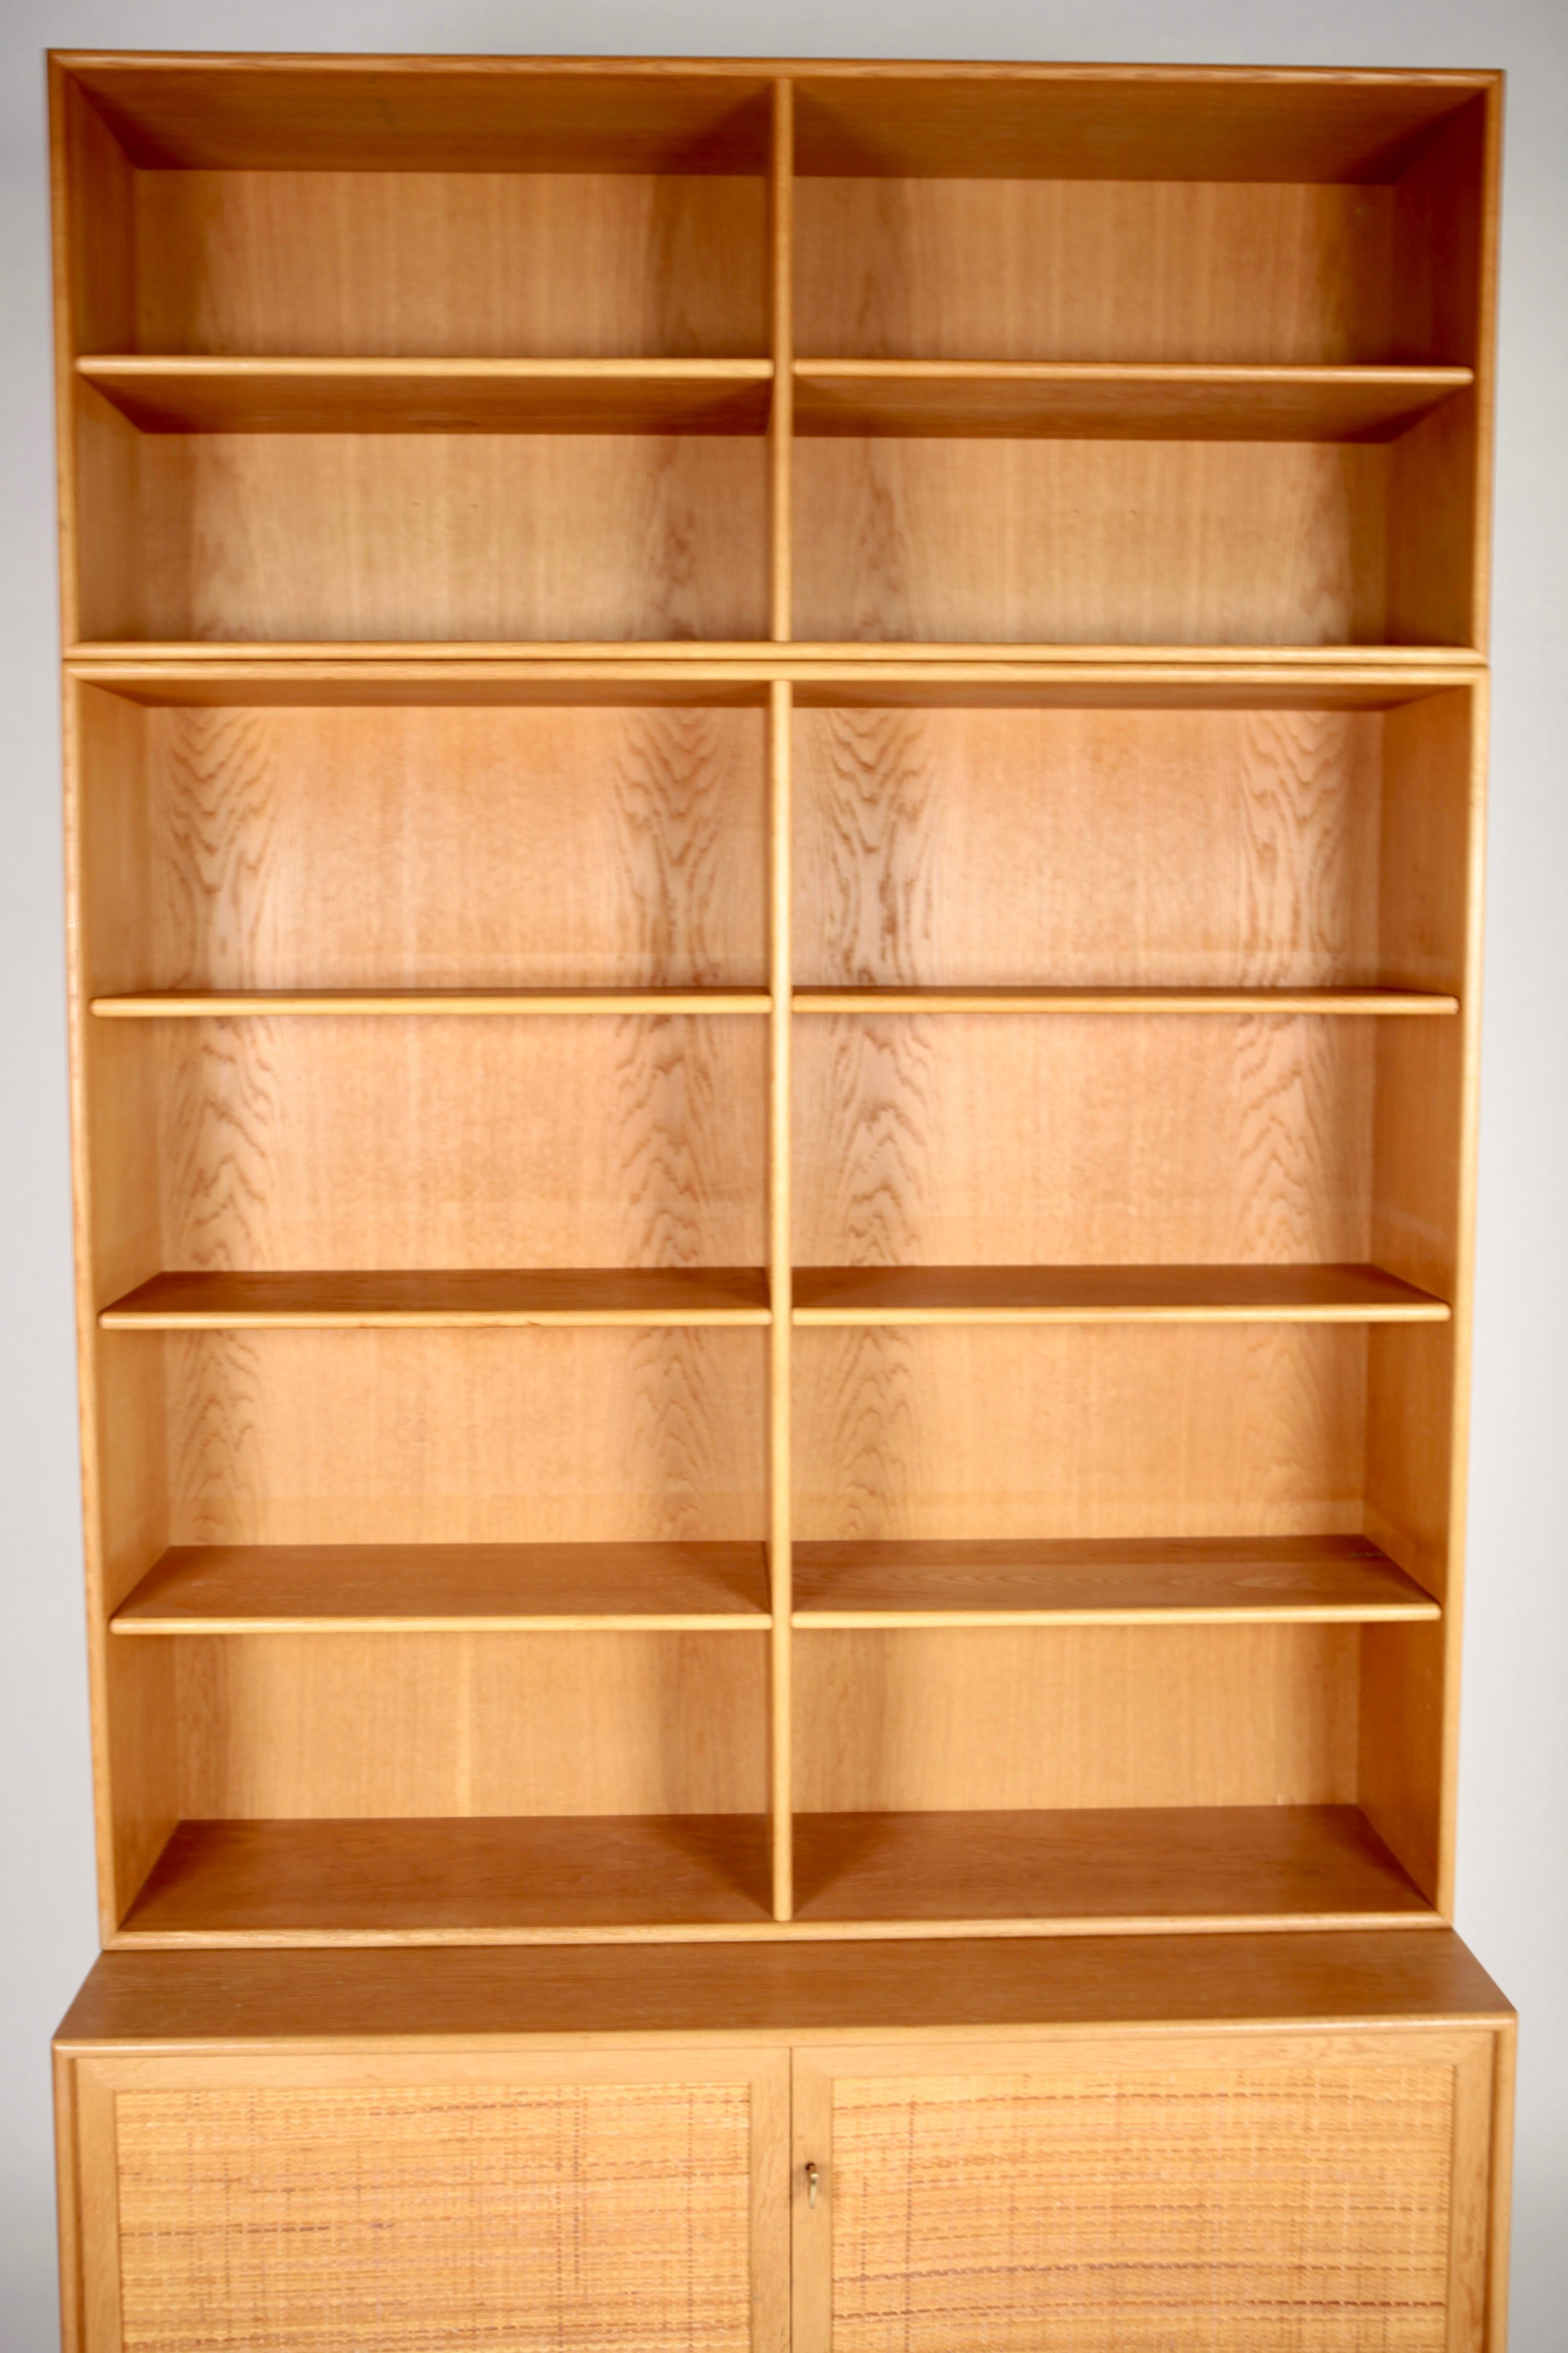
column 1321, row 2194
column 435, row 2204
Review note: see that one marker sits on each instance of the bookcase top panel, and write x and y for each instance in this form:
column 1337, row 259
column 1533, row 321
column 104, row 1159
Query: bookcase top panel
column 917, row 120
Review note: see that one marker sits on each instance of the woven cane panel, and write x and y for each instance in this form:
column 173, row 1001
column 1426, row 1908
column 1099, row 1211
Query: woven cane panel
column 598, row 2218
column 1301, row 2211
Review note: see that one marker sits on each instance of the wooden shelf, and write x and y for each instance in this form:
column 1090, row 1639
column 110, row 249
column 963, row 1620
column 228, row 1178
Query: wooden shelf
column 1085, row 401
column 453, row 1877
column 1110, row 1294
column 467, row 1589
column 221, row 1004
column 1109, row 1581
column 1122, row 1000
column 462, row 1879
column 197, row 395
column 449, row 1297
column 1165, row 1866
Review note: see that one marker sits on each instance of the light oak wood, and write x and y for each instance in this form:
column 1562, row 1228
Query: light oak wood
column 193, row 1005
column 453, row 1299
column 1077, row 401
column 910, row 1990
column 395, row 1880
column 472, row 1588
column 206, row 395
column 1105, row 1581
column 1063, row 1001
column 780, row 1280
column 1107, row 1294
column 1143, row 1866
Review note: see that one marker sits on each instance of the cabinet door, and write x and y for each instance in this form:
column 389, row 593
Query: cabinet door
column 430, row 2203
column 1197, row 2193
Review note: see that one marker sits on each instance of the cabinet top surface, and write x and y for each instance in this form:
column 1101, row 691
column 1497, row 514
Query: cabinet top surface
column 944, row 1988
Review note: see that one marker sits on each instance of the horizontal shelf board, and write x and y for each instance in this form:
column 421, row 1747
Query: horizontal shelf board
column 448, row 1878
column 464, row 1295
column 433, row 1875
column 1067, row 400
column 198, row 1005
column 787, row 1990
column 708, row 674
column 1103, row 1581
column 1306, row 1864
column 199, row 395
column 464, row 1588
column 1122, row 1000
column 1110, row 1294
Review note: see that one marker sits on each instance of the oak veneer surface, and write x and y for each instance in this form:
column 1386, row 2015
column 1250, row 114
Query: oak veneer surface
column 473, row 1296
column 876, row 1294
column 419, row 1878
column 215, row 1588
column 426, row 846
column 1158, row 1580
column 460, row 1435
column 947, row 1985
column 1140, row 1863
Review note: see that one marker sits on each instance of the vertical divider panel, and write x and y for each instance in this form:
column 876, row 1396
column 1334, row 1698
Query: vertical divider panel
column 781, row 415
column 781, row 713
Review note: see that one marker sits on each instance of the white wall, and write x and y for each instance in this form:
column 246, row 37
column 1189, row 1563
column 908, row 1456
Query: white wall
column 1514, row 1859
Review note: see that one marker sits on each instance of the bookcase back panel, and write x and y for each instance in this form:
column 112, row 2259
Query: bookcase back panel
column 467, row 264
column 464, row 1437
column 421, row 536
column 409, row 848
column 1100, row 270
column 1075, row 1716
column 1041, row 542
column 328, row 1726
column 1085, row 1431
column 580, row 1141
column 1164, row 847
column 1007, row 1139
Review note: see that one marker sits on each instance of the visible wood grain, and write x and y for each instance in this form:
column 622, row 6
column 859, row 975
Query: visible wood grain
column 416, row 115
column 1054, row 1000
column 1102, row 1295
column 781, row 1280
column 1150, row 1864
column 473, row 535
column 781, row 419
column 195, row 1005
column 979, row 1986
column 945, row 1431
column 1150, row 543
column 1176, row 849
column 467, row 1436
column 971, row 1140
column 431, row 1144
column 497, row 264
column 479, row 850
column 1079, row 401
column 454, row 1297
column 1155, row 1581
column 893, row 1720
column 1099, row 122
column 459, row 1723
column 415, row 1588
column 424, row 396
column 416, row 1878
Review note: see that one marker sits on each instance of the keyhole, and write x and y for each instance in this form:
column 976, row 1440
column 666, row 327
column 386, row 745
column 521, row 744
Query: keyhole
column 812, row 2179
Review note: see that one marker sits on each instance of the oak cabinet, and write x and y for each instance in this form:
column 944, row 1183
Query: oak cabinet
column 775, row 788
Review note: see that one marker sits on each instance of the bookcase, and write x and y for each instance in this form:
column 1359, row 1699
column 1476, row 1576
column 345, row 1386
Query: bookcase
column 774, row 780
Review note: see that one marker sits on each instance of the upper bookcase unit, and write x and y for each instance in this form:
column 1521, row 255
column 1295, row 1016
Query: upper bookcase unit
column 500, row 353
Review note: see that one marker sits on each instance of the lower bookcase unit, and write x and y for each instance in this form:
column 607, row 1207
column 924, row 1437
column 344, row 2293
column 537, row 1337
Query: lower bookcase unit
column 1120, row 2144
